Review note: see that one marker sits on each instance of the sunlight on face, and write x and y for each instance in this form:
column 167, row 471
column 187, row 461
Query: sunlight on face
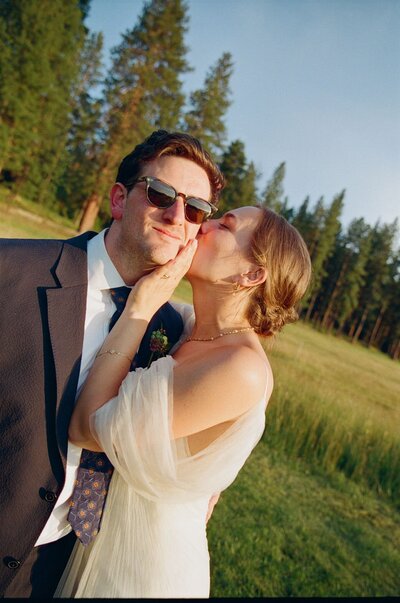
column 223, row 244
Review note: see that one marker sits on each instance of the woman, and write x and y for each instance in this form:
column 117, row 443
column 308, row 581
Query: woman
column 180, row 431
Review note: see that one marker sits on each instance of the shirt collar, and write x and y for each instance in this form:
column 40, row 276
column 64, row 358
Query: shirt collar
column 102, row 274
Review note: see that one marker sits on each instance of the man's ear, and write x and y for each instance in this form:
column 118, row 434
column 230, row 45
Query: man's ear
column 255, row 276
column 118, row 199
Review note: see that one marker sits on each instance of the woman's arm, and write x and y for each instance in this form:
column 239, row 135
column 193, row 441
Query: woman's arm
column 109, row 370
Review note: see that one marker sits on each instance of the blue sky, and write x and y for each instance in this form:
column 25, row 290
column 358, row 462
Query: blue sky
column 316, row 84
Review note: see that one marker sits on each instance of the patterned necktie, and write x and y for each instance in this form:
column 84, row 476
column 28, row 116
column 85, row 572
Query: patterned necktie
column 95, row 470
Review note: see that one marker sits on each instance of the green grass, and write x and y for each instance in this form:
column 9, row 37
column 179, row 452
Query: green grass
column 284, row 529
column 337, row 405
column 21, row 217
column 316, row 510
column 183, row 292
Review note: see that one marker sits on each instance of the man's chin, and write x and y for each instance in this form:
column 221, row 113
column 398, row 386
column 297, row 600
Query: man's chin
column 160, row 259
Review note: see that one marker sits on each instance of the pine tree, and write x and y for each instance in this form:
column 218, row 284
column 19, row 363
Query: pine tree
column 249, row 185
column 372, row 301
column 40, row 46
column 387, row 307
column 205, row 118
column 83, row 145
column 303, row 220
column 240, row 178
column 331, row 283
column 272, row 196
column 357, row 246
column 345, row 274
column 389, row 335
column 315, row 226
column 142, row 90
column 324, row 248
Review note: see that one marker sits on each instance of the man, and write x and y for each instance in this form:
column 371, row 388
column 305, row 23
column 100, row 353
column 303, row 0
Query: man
column 56, row 308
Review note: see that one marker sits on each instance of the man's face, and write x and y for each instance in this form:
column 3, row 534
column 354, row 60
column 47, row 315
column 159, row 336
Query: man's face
column 143, row 236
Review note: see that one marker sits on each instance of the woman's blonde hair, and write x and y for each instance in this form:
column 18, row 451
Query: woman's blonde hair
column 278, row 247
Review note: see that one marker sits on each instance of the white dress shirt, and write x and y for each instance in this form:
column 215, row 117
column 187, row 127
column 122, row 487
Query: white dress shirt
column 102, row 276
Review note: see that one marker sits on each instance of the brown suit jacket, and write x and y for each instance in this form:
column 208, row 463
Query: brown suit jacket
column 43, row 286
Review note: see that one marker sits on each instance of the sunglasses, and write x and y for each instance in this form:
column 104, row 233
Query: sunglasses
column 163, row 195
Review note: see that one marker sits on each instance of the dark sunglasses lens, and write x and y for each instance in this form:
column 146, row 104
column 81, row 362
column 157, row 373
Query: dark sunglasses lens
column 160, row 195
column 196, row 210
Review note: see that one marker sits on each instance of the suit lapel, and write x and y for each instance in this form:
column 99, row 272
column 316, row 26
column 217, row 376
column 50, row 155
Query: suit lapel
column 66, row 308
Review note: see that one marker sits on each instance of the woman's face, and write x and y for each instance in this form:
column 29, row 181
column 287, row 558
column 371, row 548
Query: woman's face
column 222, row 252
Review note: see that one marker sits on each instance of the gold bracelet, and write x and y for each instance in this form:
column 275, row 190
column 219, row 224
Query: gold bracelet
column 114, row 353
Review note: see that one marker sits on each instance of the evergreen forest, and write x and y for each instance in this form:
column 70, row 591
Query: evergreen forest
column 65, row 125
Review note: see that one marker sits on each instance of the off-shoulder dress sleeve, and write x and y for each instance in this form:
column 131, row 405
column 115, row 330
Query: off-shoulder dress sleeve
column 134, row 430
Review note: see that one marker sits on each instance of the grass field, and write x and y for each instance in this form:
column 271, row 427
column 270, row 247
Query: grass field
column 23, row 219
column 285, row 528
column 316, row 510
column 338, row 405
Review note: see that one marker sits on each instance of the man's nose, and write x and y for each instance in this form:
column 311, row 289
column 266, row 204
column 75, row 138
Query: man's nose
column 176, row 213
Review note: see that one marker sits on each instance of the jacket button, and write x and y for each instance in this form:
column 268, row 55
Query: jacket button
column 50, row 496
column 47, row 495
column 11, row 563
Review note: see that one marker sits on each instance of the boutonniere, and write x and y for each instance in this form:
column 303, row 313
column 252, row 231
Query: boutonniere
column 158, row 344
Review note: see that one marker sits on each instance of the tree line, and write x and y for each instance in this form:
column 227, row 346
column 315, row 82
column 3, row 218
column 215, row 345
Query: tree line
column 355, row 287
column 64, row 128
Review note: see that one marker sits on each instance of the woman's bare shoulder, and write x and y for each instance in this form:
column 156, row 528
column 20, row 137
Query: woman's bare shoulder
column 226, row 373
column 247, row 368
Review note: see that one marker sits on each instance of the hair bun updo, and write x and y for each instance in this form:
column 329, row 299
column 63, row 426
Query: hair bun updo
column 278, row 247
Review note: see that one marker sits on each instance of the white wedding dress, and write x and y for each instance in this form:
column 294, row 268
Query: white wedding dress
column 152, row 542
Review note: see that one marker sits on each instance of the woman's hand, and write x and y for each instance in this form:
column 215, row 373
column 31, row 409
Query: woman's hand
column 154, row 289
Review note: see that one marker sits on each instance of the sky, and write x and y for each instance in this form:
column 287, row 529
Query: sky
column 316, row 84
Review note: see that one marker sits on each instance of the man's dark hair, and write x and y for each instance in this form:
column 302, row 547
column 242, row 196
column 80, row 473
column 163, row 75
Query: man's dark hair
column 177, row 144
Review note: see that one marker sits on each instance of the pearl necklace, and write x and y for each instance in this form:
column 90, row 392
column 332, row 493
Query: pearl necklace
column 233, row 332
